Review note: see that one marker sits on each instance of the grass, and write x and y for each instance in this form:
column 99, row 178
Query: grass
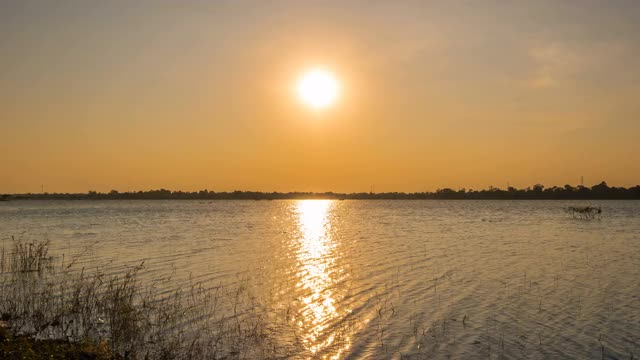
column 26, row 257
column 25, row 347
column 49, row 308
column 584, row 212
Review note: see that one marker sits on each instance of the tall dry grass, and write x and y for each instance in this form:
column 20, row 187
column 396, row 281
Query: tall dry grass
column 43, row 298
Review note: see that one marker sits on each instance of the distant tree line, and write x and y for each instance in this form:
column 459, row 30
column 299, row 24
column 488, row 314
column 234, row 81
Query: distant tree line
column 536, row 192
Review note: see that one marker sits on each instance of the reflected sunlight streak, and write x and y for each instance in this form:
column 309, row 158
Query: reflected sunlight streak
column 316, row 259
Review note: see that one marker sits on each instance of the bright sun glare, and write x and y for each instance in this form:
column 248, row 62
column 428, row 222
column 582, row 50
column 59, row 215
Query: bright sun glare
column 318, row 88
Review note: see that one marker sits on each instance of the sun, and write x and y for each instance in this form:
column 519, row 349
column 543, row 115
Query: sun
column 318, row 88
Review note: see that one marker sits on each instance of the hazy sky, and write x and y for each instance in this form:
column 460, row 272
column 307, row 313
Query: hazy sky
column 128, row 95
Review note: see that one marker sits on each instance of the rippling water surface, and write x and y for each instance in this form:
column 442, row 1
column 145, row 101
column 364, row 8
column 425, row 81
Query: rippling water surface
column 382, row 279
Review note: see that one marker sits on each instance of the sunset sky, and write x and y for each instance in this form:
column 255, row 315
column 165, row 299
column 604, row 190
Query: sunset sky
column 135, row 95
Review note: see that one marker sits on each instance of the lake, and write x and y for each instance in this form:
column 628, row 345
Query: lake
column 380, row 279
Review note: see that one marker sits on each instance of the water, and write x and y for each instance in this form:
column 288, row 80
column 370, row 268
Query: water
column 382, row 279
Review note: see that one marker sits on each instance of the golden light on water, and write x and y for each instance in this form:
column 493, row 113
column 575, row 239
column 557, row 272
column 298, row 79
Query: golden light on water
column 318, row 88
column 315, row 256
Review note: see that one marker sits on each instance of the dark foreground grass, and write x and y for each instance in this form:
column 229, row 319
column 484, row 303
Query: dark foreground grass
column 51, row 310
column 28, row 348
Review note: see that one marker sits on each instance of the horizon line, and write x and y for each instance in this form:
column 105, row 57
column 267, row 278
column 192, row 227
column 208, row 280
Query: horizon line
column 372, row 190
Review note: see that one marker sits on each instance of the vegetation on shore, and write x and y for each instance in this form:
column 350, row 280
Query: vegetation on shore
column 538, row 192
column 585, row 212
column 51, row 308
column 28, row 348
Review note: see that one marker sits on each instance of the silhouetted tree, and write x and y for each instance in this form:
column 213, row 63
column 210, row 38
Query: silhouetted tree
column 538, row 188
column 599, row 191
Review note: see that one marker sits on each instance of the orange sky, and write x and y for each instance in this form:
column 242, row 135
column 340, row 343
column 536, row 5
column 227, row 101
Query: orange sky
column 129, row 96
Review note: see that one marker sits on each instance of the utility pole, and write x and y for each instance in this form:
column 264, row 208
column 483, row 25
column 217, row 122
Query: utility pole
column 581, row 180
column 42, row 188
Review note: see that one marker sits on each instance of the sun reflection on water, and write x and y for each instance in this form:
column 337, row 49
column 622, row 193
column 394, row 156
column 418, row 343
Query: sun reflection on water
column 316, row 259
